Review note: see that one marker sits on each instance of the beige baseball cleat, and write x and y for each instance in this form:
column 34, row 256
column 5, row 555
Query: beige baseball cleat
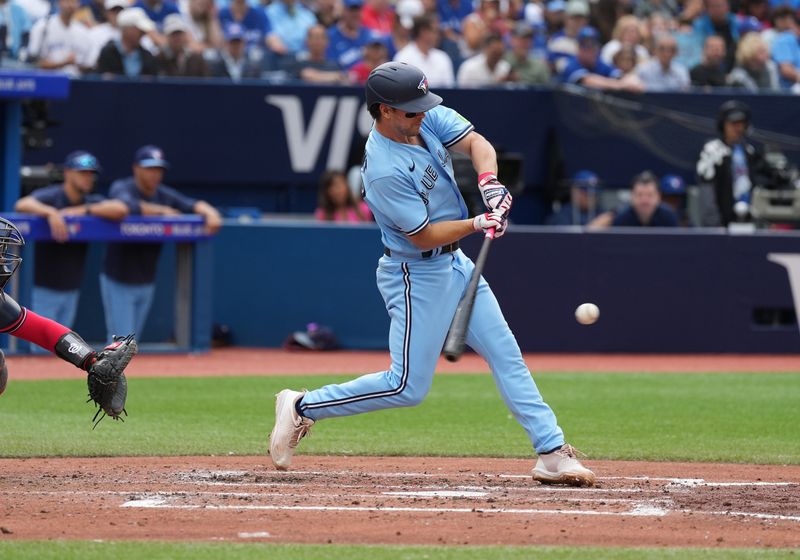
column 289, row 429
column 562, row 467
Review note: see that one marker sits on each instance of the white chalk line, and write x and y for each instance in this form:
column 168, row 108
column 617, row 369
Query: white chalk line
column 293, row 495
column 161, row 503
column 532, row 487
column 744, row 514
column 651, row 507
column 674, row 480
column 639, row 510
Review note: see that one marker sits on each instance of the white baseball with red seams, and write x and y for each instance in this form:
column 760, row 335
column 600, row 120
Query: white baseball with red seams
column 587, row 313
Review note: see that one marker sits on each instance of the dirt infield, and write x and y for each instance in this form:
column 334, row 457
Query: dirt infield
column 248, row 361
column 397, row 501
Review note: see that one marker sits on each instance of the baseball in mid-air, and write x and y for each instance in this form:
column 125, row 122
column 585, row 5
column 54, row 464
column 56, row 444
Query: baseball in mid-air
column 587, row 313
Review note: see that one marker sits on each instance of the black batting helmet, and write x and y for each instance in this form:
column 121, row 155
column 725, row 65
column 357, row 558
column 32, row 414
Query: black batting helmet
column 732, row 111
column 401, row 86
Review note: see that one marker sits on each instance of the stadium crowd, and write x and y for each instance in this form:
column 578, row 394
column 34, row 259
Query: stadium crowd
column 632, row 45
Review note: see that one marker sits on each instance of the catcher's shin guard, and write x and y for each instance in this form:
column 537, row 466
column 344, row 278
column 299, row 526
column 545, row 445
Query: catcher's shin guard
column 73, row 349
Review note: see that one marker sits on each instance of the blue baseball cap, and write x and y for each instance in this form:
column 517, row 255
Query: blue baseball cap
column 556, row 6
column 749, row 24
column 150, row 156
column 588, row 34
column 81, row 160
column 673, row 184
column 586, row 179
column 353, row 3
column 234, row 32
column 382, row 40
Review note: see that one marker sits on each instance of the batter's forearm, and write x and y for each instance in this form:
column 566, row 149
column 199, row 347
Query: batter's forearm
column 441, row 233
column 483, row 155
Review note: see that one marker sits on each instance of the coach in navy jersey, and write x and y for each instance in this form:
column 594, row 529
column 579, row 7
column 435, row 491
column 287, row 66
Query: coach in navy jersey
column 129, row 270
column 58, row 268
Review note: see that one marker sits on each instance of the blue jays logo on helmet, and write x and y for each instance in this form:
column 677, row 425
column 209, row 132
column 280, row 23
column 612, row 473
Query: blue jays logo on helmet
column 423, row 85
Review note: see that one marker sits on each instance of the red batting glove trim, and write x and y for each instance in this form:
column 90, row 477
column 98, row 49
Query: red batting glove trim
column 486, row 177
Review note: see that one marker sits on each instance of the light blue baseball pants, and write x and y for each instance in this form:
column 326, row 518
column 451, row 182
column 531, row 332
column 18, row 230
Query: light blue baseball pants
column 421, row 297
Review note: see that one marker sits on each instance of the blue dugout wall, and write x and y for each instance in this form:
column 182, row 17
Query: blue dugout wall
column 658, row 291
column 666, row 291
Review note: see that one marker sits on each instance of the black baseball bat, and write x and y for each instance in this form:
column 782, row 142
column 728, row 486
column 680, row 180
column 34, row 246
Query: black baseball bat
column 457, row 335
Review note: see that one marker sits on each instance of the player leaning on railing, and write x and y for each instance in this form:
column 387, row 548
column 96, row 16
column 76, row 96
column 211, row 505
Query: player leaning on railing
column 108, row 387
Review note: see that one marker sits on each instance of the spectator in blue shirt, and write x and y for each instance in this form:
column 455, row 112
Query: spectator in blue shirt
column 673, row 194
column 718, row 20
column 583, row 206
column 234, row 60
column 158, row 10
column 563, row 45
column 290, row 21
column 662, row 73
column 312, row 65
column 59, row 265
column 348, row 37
column 129, row 269
column 793, row 4
column 253, row 21
column 646, row 208
column 17, row 23
column 588, row 70
column 786, row 49
column 451, row 14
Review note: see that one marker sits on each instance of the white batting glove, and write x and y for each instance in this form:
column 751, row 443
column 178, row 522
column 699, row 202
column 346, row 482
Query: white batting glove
column 490, row 220
column 495, row 195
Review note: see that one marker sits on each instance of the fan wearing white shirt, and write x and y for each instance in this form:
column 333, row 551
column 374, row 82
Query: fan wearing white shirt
column 101, row 34
column 58, row 42
column 422, row 53
column 487, row 68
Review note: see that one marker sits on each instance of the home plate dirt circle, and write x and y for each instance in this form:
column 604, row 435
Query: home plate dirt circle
column 392, row 500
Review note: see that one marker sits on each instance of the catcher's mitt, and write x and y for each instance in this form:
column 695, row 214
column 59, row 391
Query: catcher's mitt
column 108, row 387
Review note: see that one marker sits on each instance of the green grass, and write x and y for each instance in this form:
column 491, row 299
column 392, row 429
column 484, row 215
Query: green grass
column 715, row 417
column 64, row 550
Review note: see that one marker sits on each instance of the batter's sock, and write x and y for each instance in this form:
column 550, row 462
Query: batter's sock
column 297, row 407
column 552, row 450
column 36, row 329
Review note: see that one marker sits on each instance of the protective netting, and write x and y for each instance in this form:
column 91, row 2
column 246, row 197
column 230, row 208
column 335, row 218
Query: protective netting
column 596, row 127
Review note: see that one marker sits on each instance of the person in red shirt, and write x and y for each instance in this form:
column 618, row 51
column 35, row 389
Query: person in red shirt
column 379, row 16
column 375, row 53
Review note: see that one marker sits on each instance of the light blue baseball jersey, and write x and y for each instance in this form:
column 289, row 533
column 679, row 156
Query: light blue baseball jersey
column 408, row 186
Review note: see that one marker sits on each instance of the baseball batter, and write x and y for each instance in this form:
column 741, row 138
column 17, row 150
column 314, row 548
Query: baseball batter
column 409, row 186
